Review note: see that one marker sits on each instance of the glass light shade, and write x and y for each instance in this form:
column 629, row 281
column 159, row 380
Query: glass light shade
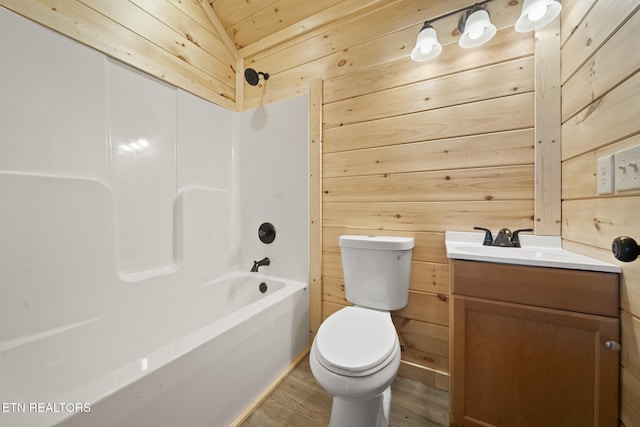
column 478, row 29
column 536, row 14
column 427, row 45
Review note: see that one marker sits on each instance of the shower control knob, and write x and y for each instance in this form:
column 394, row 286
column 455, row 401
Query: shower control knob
column 266, row 233
column 625, row 248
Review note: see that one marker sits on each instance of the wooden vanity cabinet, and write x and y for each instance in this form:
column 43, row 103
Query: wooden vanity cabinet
column 529, row 346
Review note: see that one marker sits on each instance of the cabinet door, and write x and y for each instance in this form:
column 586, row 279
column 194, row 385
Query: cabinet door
column 517, row 365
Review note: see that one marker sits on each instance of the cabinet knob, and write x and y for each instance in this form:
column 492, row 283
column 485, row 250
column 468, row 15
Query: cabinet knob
column 612, row 345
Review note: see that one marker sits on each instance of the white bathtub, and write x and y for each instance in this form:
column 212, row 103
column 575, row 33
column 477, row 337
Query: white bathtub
column 198, row 357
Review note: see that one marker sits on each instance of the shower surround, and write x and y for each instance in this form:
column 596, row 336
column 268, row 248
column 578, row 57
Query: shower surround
column 122, row 194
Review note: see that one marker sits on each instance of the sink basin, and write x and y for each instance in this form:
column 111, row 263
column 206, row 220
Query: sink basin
column 496, row 251
column 542, row 251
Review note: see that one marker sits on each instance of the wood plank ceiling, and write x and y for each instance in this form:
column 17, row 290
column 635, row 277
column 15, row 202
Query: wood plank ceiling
column 248, row 21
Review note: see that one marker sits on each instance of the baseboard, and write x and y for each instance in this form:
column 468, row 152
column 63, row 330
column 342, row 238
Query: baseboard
column 428, row 376
column 266, row 392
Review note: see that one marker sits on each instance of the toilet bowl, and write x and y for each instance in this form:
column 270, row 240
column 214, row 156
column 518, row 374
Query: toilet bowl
column 355, row 357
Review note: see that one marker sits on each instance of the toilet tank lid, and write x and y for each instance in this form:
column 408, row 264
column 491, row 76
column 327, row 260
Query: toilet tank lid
column 383, row 243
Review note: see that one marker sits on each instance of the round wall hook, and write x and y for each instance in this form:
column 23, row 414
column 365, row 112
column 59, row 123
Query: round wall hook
column 625, row 249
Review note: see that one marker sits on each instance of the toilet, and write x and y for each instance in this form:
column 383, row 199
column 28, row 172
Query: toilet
column 356, row 353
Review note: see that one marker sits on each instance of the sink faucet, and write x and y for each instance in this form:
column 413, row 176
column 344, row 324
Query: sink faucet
column 257, row 264
column 505, row 237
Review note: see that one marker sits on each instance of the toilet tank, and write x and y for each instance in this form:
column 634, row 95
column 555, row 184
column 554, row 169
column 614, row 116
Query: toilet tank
column 376, row 270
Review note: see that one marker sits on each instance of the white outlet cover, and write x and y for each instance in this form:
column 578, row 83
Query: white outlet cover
column 605, row 175
column 627, row 169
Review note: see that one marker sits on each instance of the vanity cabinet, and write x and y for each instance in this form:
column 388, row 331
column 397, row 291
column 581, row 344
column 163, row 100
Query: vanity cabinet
column 533, row 346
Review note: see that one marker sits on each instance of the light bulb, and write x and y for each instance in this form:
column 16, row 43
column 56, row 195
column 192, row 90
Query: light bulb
column 475, row 32
column 476, row 28
column 536, row 14
column 537, row 11
column 426, row 48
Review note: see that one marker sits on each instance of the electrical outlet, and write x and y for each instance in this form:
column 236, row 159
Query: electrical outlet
column 627, row 172
column 605, row 175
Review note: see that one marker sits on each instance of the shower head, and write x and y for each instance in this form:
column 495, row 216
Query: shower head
column 252, row 76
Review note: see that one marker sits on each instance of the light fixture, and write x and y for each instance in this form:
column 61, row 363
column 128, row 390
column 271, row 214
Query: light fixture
column 427, row 45
column 476, row 27
column 536, row 14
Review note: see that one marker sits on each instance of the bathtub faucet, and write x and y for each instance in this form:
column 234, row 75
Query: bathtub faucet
column 257, row 264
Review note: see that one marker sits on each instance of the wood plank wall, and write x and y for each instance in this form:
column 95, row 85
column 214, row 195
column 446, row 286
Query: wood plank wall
column 414, row 149
column 172, row 40
column 600, row 107
column 446, row 150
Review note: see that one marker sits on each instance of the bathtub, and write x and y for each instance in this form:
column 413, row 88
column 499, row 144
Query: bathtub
column 197, row 357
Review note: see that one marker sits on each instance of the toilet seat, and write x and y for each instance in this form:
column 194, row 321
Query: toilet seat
column 356, row 341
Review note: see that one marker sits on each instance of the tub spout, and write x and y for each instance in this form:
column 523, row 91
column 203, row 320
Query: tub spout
column 258, row 264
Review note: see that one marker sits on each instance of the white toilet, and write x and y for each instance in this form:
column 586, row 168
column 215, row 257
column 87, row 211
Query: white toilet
column 356, row 353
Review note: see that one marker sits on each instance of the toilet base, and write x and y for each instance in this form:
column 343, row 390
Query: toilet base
column 361, row 413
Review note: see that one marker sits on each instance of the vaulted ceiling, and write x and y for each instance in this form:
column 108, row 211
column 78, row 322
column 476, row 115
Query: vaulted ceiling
column 247, row 21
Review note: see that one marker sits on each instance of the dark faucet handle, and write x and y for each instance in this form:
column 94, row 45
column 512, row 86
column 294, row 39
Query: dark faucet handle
column 488, row 238
column 515, row 240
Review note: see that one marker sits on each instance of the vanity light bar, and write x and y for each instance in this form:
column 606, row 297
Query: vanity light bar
column 476, row 28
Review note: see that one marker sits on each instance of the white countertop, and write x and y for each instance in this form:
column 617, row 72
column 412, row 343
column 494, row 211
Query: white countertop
column 541, row 251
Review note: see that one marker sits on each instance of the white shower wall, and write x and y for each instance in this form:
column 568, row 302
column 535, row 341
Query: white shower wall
column 274, row 155
column 114, row 184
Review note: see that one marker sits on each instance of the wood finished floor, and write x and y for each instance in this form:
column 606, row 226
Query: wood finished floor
column 300, row 402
